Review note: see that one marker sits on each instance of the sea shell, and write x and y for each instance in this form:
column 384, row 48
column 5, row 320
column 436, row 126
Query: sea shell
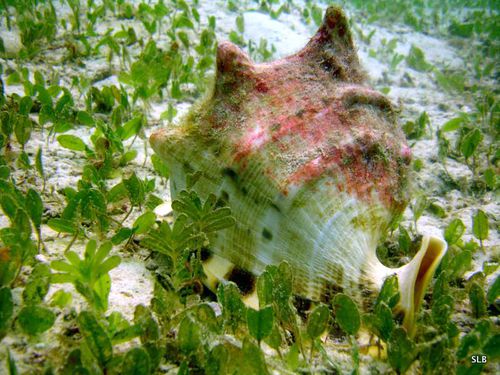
column 311, row 162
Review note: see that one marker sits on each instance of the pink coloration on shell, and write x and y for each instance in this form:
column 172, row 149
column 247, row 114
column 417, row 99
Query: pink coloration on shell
column 311, row 162
column 307, row 116
column 314, row 107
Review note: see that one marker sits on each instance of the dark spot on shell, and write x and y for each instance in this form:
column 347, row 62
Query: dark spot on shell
column 231, row 173
column 267, row 234
column 276, row 207
column 209, row 294
column 235, row 178
column 244, row 279
column 187, row 167
column 206, row 254
column 303, row 305
column 224, row 195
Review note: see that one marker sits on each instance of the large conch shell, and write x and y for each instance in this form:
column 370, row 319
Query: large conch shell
column 311, row 162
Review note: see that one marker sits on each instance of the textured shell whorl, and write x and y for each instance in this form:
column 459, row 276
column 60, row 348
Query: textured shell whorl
column 309, row 159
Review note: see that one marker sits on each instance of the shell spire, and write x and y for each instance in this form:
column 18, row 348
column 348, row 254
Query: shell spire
column 312, row 163
column 332, row 48
column 233, row 66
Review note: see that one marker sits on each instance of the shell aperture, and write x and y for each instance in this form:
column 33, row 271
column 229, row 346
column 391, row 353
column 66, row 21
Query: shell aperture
column 311, row 162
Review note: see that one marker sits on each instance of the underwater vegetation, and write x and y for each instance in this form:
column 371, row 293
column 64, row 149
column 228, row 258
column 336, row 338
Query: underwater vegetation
column 262, row 236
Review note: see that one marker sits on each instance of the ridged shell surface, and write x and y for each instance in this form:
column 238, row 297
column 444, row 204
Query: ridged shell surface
column 308, row 157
